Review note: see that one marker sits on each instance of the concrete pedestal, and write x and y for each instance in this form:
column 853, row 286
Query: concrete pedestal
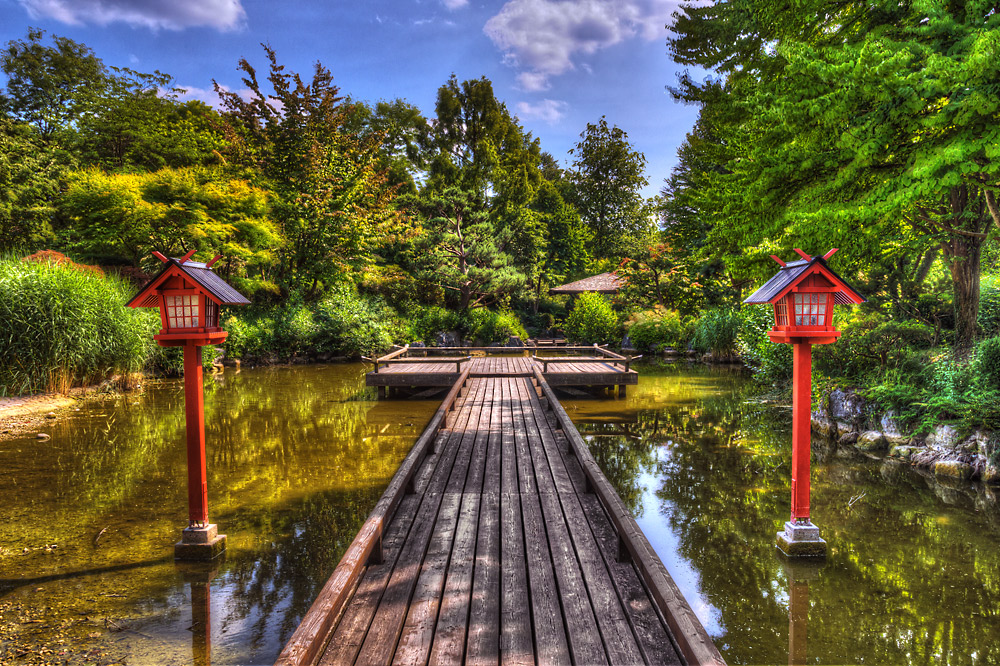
column 200, row 544
column 801, row 539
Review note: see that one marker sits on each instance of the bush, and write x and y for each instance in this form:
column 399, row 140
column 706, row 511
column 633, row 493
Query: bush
column 988, row 361
column 488, row 326
column 658, row 328
column 870, row 344
column 770, row 362
column 716, row 332
column 355, row 325
column 593, row 321
column 989, row 306
column 426, row 323
column 61, row 327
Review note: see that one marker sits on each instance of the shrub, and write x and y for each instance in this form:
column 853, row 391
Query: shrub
column 716, row 331
column 989, row 306
column 355, row 325
column 988, row 361
column 489, row 326
column 61, row 327
column 593, row 321
column 658, row 328
column 770, row 362
column 426, row 323
column 871, row 344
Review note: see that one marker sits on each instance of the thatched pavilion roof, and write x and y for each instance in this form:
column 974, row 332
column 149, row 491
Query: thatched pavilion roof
column 605, row 283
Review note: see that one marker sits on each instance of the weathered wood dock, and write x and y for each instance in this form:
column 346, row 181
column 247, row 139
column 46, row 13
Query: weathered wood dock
column 499, row 540
column 440, row 367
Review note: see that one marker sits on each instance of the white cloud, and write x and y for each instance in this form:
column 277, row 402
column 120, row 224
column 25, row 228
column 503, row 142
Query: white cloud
column 549, row 110
column 154, row 14
column 210, row 97
column 454, row 4
column 541, row 37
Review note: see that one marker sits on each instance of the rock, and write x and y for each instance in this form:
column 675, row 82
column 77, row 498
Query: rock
column 670, row 352
column 50, row 415
column 706, row 358
column 846, row 410
column 418, row 343
column 514, row 341
column 447, row 339
column 944, row 437
column 992, row 474
column 871, row 440
column 42, row 436
column 627, row 342
column 903, row 451
column 848, row 438
column 953, row 469
column 889, row 425
column 823, row 425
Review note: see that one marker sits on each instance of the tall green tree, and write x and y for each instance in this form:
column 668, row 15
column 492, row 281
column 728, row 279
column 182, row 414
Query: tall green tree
column 607, row 180
column 869, row 126
column 460, row 250
column 331, row 197
column 50, row 87
column 31, row 175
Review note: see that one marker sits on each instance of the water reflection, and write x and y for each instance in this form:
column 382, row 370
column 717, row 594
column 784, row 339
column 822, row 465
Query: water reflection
column 297, row 457
column 913, row 570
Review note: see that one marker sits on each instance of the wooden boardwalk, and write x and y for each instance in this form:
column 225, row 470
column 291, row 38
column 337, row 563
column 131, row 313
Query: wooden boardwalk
column 499, row 541
column 440, row 368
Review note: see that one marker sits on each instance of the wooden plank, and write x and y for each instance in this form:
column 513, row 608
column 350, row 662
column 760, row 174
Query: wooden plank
column 421, row 617
column 515, row 612
column 695, row 644
column 547, row 615
column 380, row 641
column 483, row 642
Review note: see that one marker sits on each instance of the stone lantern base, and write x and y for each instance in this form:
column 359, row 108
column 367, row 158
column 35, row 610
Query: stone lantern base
column 801, row 539
column 200, row 544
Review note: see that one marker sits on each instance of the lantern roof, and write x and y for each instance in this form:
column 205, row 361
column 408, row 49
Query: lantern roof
column 795, row 271
column 199, row 273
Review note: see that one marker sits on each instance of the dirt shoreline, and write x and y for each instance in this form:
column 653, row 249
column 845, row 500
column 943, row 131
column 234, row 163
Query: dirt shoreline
column 28, row 415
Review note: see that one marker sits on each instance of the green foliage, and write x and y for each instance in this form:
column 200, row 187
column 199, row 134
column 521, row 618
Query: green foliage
column 870, row 345
column 660, row 275
column 426, row 323
column 988, row 361
column 770, row 362
column 31, row 173
column 592, row 320
column 716, row 331
column 607, row 180
column 658, row 328
column 989, row 306
column 60, row 327
column 489, row 326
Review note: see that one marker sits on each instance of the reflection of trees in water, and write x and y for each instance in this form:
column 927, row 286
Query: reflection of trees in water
column 909, row 579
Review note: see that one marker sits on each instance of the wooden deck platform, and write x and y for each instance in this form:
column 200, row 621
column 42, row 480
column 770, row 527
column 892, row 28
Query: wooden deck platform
column 441, row 368
column 500, row 541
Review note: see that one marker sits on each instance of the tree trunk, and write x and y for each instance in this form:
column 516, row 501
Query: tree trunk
column 963, row 253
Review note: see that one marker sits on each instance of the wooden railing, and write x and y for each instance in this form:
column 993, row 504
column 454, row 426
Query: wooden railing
column 693, row 640
column 313, row 633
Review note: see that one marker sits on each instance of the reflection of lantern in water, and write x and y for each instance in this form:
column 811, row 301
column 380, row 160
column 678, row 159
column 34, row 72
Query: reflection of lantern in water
column 199, row 578
column 803, row 294
column 799, row 573
column 189, row 294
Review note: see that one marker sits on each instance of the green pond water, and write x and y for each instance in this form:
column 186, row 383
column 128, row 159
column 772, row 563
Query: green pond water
column 297, row 457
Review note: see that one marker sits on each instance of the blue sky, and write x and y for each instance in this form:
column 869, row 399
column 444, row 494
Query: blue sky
column 557, row 64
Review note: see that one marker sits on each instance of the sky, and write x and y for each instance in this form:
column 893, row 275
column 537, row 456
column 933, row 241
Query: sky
column 557, row 64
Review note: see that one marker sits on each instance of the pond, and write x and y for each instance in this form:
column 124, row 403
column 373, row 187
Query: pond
column 298, row 456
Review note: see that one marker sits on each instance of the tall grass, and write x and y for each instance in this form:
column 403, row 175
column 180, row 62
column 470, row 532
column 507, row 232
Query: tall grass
column 61, row 327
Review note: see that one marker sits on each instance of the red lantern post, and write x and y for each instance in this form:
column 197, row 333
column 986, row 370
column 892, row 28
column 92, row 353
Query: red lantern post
column 189, row 294
column 803, row 294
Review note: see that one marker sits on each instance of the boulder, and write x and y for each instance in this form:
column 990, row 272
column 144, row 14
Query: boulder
column 992, row 474
column 943, row 437
column 871, row 440
column 953, row 469
column 627, row 342
column 903, row 451
column 447, row 339
column 889, row 424
column 821, row 424
column 418, row 343
column 514, row 342
column 846, row 410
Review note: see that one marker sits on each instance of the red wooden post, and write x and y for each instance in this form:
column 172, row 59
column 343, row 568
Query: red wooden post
column 801, row 426
column 195, row 418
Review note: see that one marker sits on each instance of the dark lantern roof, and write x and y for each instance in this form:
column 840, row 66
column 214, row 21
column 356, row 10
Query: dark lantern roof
column 605, row 283
column 200, row 274
column 791, row 272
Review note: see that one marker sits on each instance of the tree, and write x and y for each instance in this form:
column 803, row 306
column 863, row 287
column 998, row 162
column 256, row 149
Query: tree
column 331, row 198
column 660, row 275
column 566, row 237
column 862, row 124
column 50, row 87
column 607, row 180
column 461, row 250
column 31, row 173
column 139, row 123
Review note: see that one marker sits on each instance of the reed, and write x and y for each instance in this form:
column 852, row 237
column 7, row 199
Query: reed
column 62, row 327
